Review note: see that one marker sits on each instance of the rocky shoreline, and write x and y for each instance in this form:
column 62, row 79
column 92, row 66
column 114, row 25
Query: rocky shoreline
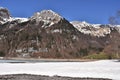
column 42, row 77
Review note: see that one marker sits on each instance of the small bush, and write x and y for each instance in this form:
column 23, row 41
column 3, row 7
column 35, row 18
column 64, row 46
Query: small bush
column 2, row 54
column 82, row 52
column 100, row 56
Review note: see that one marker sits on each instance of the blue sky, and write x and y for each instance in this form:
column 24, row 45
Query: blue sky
column 92, row 11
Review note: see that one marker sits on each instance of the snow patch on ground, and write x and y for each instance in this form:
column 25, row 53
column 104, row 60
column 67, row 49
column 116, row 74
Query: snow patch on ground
column 96, row 69
column 57, row 31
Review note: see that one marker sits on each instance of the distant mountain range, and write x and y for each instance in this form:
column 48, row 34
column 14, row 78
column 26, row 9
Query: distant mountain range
column 48, row 35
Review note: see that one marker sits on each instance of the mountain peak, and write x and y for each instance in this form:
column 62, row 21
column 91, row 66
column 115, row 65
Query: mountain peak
column 2, row 8
column 47, row 15
column 4, row 13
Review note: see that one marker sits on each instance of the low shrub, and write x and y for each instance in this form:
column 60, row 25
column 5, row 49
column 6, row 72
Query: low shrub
column 100, row 56
column 2, row 54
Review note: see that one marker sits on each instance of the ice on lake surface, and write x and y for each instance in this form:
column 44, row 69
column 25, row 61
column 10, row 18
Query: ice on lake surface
column 95, row 69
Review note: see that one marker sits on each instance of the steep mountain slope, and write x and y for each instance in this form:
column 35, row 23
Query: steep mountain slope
column 48, row 35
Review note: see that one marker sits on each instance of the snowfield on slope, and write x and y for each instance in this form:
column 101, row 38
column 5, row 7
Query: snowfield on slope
column 96, row 69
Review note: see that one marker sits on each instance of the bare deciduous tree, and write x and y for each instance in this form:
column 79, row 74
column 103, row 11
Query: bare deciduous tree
column 115, row 20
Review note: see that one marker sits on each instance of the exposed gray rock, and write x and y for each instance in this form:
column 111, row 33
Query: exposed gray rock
column 4, row 15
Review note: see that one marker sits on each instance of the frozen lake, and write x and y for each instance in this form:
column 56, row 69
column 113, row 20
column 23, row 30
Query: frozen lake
column 96, row 69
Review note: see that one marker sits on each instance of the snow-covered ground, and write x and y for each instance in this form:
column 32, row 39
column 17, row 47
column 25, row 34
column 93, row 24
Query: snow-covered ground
column 96, row 69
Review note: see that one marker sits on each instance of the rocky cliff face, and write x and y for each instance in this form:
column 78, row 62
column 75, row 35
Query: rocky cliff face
column 48, row 35
column 4, row 14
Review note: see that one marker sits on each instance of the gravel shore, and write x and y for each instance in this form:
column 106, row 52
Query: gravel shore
column 40, row 77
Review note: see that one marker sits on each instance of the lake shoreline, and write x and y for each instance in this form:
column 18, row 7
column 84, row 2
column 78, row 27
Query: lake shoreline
column 43, row 77
column 24, row 60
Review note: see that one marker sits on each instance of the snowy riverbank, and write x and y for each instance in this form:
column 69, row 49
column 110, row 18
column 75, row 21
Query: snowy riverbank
column 96, row 69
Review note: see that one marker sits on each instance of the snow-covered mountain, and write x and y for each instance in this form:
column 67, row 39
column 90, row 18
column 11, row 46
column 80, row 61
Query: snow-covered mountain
column 98, row 30
column 49, row 17
column 46, row 34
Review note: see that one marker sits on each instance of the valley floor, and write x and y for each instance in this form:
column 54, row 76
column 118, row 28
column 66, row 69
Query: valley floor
column 94, row 69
